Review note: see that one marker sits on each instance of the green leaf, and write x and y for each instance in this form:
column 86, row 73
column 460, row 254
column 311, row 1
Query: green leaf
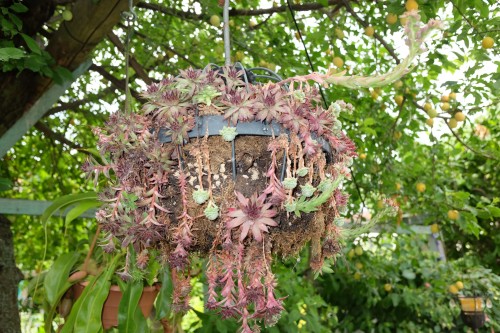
column 18, row 7
column 409, row 274
column 64, row 202
column 32, row 45
column 85, row 315
column 8, row 53
column 130, row 316
column 164, row 299
column 56, row 279
column 81, row 208
column 5, row 184
column 395, row 298
column 63, row 73
column 494, row 211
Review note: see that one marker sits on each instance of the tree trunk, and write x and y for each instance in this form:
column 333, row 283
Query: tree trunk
column 10, row 276
column 70, row 45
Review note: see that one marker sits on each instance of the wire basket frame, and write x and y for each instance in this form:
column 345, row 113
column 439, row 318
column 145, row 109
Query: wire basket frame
column 210, row 125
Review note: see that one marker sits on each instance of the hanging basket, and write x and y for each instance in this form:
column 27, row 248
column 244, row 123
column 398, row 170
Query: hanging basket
column 229, row 170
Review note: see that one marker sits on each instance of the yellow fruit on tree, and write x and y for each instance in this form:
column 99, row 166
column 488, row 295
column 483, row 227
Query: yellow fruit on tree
column 445, row 98
column 329, row 51
column 362, row 156
column 445, row 106
column 380, row 204
column 487, row 42
column 359, row 265
column 398, row 99
column 388, row 287
column 398, row 186
column 369, row 31
column 358, row 250
column 398, row 84
column 357, row 276
column 403, row 21
column 453, row 289
column 459, row 285
column 453, row 95
column 215, row 20
column 391, row 18
column 337, row 61
column 459, row 116
column 452, row 123
column 411, row 5
column 453, row 214
column 339, row 33
column 397, row 135
column 432, row 113
column 430, row 122
column 297, row 35
column 351, row 254
column 420, row 187
column 374, row 94
column 435, row 228
column 239, row 56
column 427, row 106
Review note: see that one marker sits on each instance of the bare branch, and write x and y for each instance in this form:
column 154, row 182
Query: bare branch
column 469, row 147
column 375, row 34
column 77, row 103
column 55, row 136
column 237, row 12
column 168, row 48
column 281, row 9
column 118, row 83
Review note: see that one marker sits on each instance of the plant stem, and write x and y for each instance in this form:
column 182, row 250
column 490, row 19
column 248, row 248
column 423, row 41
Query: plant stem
column 91, row 249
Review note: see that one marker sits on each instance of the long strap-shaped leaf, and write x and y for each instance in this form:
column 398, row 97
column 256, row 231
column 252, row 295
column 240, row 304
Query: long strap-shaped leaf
column 130, row 316
column 65, row 201
column 56, row 284
column 164, row 299
column 56, row 280
column 85, row 316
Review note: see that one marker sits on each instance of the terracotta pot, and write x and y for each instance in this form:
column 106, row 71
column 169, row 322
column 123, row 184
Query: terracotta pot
column 110, row 308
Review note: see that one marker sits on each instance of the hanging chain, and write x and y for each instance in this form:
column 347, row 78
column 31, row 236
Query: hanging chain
column 130, row 18
column 227, row 42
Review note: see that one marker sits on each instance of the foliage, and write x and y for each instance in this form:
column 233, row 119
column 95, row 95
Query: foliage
column 19, row 51
column 397, row 148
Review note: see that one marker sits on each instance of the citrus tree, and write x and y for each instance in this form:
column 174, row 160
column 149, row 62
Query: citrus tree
column 429, row 141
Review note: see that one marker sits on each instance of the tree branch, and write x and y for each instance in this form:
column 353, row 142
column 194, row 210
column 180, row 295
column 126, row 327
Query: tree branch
column 375, row 34
column 281, row 9
column 133, row 62
column 77, row 103
column 237, row 12
column 469, row 147
column 55, row 136
column 168, row 48
column 118, row 83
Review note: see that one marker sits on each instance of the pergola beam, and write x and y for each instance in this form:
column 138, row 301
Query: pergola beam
column 38, row 110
